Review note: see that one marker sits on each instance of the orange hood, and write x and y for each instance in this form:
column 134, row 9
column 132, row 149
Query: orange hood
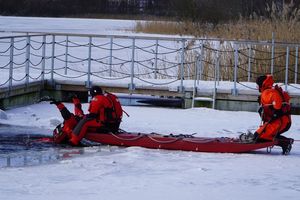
column 268, row 83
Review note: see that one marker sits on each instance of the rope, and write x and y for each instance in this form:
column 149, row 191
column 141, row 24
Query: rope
column 15, row 55
column 128, row 139
column 146, row 47
column 75, row 70
column 20, row 49
column 246, row 86
column 168, row 62
column 294, row 72
column 254, row 58
column 100, row 45
column 69, row 76
column 2, row 84
column 197, row 141
column 20, row 63
column 168, row 48
column 121, row 46
column 80, row 59
column 139, row 136
column 36, row 78
column 37, row 63
column 103, row 58
column 216, row 50
column 19, row 79
column 106, row 78
column 36, row 48
column 164, row 142
column 77, row 44
column 98, row 72
column 6, row 50
column 167, row 75
column 4, row 66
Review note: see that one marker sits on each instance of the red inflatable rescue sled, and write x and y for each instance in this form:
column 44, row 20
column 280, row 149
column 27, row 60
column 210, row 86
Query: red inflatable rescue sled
column 177, row 142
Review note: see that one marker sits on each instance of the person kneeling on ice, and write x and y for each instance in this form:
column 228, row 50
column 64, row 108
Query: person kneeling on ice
column 100, row 111
column 275, row 112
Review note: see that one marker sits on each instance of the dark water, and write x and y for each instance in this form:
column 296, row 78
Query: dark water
column 14, row 139
column 144, row 100
column 30, row 146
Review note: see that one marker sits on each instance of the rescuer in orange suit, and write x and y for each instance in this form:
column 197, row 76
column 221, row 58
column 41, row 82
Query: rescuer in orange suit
column 62, row 133
column 99, row 110
column 275, row 112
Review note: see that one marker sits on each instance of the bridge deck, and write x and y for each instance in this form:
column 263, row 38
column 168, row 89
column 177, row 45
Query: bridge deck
column 222, row 97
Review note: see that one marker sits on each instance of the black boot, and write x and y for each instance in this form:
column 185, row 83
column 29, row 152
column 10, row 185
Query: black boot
column 286, row 145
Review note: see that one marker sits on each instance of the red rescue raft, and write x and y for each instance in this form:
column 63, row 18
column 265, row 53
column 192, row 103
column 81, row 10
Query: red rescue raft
column 177, row 142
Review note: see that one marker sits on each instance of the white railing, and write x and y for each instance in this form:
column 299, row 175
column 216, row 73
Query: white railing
column 147, row 60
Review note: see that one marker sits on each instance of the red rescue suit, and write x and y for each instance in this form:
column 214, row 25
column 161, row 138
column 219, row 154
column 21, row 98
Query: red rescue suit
column 62, row 133
column 275, row 111
column 98, row 113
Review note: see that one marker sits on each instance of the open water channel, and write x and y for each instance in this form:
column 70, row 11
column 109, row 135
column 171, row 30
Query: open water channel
column 29, row 146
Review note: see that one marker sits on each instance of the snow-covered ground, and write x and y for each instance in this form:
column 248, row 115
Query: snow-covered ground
column 137, row 173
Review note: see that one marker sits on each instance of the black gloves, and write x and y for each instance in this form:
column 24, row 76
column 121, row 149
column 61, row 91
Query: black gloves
column 260, row 111
column 48, row 98
column 53, row 101
column 255, row 136
column 249, row 137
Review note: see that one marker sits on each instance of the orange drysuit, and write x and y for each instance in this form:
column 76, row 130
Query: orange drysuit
column 98, row 110
column 274, row 111
column 62, row 133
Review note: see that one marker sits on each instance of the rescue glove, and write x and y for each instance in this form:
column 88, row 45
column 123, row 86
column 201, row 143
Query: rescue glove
column 260, row 110
column 53, row 101
column 44, row 98
column 249, row 137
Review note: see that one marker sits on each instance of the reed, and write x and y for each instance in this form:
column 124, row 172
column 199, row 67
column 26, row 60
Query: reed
column 285, row 26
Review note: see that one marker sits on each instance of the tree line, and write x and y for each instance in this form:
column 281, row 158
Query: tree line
column 195, row 10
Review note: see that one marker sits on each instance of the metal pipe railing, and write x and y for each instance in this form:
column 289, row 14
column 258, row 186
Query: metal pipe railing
column 287, row 68
column 52, row 59
column 169, row 57
column 27, row 65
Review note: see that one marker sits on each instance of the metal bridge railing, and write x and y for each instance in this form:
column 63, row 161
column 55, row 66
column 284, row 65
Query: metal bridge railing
column 147, row 60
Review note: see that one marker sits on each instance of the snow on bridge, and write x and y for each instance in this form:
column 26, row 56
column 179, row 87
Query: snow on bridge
column 163, row 66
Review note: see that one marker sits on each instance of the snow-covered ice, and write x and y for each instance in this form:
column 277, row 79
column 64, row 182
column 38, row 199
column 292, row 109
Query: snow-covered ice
column 138, row 173
column 65, row 25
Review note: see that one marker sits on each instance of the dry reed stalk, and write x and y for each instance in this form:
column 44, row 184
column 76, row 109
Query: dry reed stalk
column 285, row 25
